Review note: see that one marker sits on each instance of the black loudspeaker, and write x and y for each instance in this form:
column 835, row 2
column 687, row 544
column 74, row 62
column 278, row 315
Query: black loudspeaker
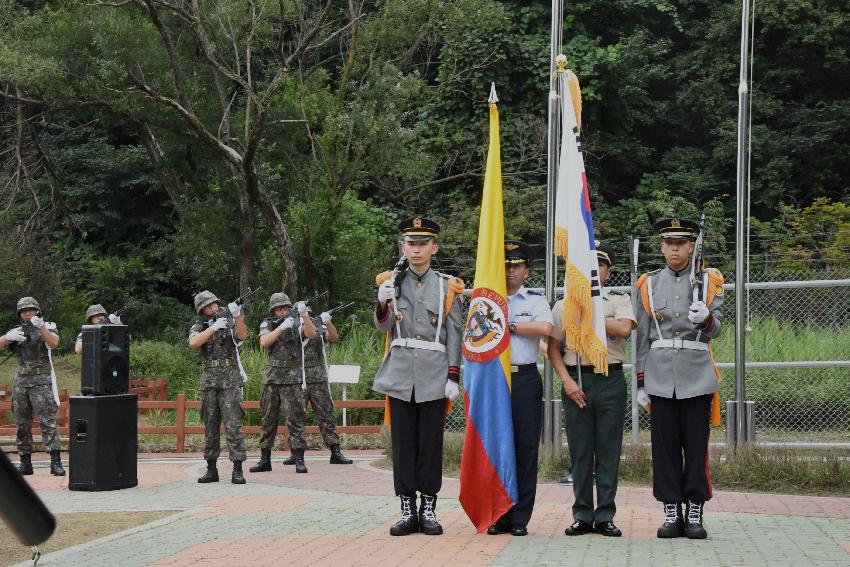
column 103, row 444
column 106, row 360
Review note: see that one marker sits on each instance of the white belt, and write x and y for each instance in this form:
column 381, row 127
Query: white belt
column 679, row 343
column 420, row 344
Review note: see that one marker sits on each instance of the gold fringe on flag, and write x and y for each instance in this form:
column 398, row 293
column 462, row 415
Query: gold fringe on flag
column 575, row 94
column 561, row 242
column 579, row 333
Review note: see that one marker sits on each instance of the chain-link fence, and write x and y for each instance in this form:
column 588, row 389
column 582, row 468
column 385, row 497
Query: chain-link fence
column 793, row 317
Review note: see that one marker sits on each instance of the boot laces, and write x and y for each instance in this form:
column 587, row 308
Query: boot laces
column 694, row 513
column 406, row 513
column 671, row 512
column 428, row 508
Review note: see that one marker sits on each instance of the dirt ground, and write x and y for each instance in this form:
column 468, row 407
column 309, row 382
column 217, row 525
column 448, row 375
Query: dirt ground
column 73, row 529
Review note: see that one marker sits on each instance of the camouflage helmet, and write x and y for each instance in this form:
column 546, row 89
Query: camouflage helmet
column 96, row 309
column 205, row 298
column 27, row 303
column 278, row 300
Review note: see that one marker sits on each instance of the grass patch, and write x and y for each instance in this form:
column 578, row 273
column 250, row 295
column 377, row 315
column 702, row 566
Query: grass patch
column 76, row 528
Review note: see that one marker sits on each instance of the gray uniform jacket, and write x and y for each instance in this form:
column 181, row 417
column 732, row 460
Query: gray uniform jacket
column 669, row 371
column 406, row 369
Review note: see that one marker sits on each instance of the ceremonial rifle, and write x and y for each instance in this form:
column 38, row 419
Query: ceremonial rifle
column 274, row 324
column 698, row 261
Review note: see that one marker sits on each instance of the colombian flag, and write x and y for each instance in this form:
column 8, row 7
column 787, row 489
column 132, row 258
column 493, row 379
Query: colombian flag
column 488, row 468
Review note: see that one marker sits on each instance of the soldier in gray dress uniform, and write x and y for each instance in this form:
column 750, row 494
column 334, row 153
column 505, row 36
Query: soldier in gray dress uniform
column 33, row 389
column 283, row 378
column 676, row 374
column 220, row 385
column 421, row 309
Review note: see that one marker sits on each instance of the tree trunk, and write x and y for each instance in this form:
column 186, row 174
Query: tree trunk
column 248, row 248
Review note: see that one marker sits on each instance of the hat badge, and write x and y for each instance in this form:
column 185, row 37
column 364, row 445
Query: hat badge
column 675, row 223
column 417, row 223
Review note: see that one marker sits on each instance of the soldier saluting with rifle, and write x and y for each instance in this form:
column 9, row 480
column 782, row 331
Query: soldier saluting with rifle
column 218, row 335
column 96, row 315
column 679, row 316
column 281, row 334
column 34, row 388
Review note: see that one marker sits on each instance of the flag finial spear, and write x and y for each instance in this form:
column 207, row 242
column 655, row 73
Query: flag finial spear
column 561, row 62
column 493, row 98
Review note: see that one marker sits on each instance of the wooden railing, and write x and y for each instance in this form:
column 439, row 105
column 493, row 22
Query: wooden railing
column 180, row 429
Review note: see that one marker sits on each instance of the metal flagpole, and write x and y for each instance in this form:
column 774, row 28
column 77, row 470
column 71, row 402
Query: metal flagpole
column 740, row 225
column 551, row 183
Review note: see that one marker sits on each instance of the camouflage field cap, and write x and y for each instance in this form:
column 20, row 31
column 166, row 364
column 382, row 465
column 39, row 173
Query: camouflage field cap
column 279, row 299
column 27, row 303
column 96, row 309
column 205, row 298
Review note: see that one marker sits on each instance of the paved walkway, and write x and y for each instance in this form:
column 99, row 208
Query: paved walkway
column 340, row 515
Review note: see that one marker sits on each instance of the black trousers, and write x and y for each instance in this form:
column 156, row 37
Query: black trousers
column 526, row 409
column 417, row 436
column 680, row 431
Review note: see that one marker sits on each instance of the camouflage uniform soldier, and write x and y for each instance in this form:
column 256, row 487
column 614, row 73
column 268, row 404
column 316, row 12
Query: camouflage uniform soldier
column 220, row 385
column 95, row 315
column 317, row 391
column 283, row 379
column 33, row 390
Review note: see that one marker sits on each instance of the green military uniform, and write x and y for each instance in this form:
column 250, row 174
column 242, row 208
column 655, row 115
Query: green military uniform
column 220, row 390
column 34, row 391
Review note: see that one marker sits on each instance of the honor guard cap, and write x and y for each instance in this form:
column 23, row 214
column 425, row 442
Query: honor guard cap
column 418, row 228
column 517, row 252
column 604, row 253
column 676, row 228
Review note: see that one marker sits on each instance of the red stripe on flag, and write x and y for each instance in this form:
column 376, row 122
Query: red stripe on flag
column 482, row 495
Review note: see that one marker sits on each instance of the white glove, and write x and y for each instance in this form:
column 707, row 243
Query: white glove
column 301, row 307
column 697, row 312
column 386, row 291
column 235, row 309
column 16, row 335
column 37, row 322
column 219, row 324
column 115, row 319
column 642, row 398
column 452, row 390
column 325, row 317
column 288, row 323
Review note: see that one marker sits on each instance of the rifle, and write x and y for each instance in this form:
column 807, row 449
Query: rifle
column 340, row 307
column 247, row 295
column 124, row 309
column 698, row 260
column 274, row 324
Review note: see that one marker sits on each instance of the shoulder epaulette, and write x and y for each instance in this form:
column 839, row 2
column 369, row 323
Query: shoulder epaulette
column 531, row 292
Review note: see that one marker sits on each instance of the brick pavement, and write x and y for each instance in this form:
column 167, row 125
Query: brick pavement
column 339, row 515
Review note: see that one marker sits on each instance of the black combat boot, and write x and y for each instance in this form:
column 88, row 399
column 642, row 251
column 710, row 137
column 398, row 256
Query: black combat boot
column 693, row 523
column 337, row 458
column 300, row 467
column 265, row 462
column 674, row 525
column 428, row 523
column 56, row 464
column 408, row 524
column 212, row 472
column 25, row 468
column 290, row 460
column 237, row 477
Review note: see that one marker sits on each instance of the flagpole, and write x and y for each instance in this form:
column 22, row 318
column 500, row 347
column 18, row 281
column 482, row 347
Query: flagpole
column 551, row 184
column 740, row 226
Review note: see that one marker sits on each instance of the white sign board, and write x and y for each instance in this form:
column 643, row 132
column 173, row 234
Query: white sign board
column 344, row 374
